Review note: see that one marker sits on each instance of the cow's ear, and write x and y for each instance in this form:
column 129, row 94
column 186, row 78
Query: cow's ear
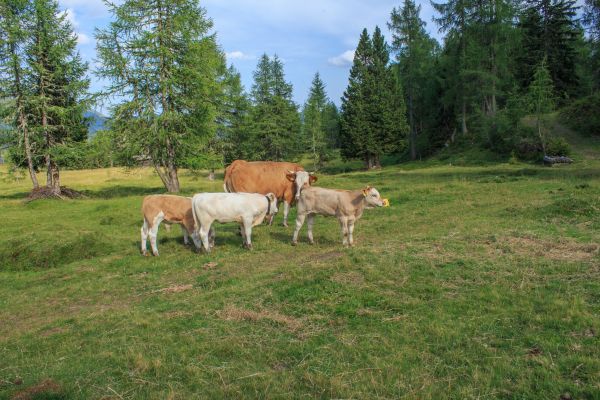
column 291, row 176
column 365, row 191
column 312, row 179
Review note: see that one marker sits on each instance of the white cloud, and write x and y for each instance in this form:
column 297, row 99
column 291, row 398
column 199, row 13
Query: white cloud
column 238, row 55
column 343, row 60
column 82, row 38
column 70, row 14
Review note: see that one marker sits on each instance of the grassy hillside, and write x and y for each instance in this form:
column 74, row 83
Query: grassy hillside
column 477, row 282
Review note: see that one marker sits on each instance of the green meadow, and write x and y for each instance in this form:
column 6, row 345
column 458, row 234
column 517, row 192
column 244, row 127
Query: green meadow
column 482, row 280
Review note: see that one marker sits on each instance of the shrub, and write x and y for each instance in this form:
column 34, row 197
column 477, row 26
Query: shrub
column 583, row 115
column 558, row 146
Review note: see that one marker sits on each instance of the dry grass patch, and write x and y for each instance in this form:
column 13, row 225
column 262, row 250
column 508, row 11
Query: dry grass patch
column 561, row 249
column 175, row 288
column 233, row 313
column 349, row 278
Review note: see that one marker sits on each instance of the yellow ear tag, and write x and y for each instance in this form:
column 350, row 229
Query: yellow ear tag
column 386, row 202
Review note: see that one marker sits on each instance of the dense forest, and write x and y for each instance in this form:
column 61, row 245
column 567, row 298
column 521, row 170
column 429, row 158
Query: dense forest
column 503, row 67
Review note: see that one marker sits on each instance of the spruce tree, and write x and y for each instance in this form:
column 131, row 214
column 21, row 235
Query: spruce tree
column 235, row 106
column 58, row 84
column 273, row 121
column 416, row 57
column 14, row 31
column 454, row 18
column 161, row 58
column 373, row 110
column 550, row 30
column 317, row 118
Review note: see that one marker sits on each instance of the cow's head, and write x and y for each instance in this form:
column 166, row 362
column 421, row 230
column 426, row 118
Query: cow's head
column 301, row 179
column 372, row 197
column 272, row 205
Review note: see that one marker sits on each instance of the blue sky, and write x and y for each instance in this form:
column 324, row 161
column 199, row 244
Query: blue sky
column 308, row 35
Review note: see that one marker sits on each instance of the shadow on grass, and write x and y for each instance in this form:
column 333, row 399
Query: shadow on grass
column 122, row 191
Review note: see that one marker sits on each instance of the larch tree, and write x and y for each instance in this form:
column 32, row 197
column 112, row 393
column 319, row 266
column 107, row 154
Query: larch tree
column 163, row 63
column 58, row 85
column 231, row 128
column 540, row 99
column 14, row 32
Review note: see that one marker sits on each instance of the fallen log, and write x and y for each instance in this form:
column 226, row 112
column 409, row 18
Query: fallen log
column 550, row 160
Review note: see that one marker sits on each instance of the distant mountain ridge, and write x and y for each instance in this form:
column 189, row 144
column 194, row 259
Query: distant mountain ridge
column 96, row 122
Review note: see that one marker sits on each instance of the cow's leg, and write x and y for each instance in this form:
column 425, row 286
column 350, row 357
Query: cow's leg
column 144, row 237
column 185, row 235
column 299, row 223
column 154, row 231
column 211, row 236
column 286, row 210
column 196, row 240
column 204, row 230
column 309, row 224
column 350, row 232
column 247, row 229
column 344, row 226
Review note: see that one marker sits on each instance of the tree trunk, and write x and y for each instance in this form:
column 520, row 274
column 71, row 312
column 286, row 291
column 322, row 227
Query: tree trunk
column 27, row 145
column 464, row 130
column 23, row 118
column 211, row 175
column 413, row 132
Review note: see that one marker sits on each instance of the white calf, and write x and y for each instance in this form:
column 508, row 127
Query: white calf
column 248, row 209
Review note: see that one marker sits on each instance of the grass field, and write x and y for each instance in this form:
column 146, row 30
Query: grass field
column 478, row 282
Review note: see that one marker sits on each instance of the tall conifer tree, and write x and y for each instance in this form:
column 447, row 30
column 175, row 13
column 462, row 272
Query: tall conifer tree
column 58, row 84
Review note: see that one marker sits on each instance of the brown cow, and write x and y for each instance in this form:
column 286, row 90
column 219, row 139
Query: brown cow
column 264, row 177
column 172, row 209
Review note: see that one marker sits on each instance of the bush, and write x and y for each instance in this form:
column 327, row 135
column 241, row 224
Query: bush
column 558, row 146
column 583, row 115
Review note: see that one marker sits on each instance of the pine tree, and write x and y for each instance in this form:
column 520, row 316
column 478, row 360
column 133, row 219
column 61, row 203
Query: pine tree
column 592, row 22
column 415, row 57
column 161, row 58
column 58, row 84
column 540, row 98
column 316, row 122
column 14, row 27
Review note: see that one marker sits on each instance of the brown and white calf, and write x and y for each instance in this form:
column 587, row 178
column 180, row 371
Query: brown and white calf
column 346, row 205
column 171, row 209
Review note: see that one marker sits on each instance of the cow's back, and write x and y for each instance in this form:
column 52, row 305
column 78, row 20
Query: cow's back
column 260, row 177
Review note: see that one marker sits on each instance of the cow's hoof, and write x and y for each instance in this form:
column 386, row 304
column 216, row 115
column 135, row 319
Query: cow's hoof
column 285, row 224
column 294, row 243
column 145, row 253
column 155, row 254
column 311, row 242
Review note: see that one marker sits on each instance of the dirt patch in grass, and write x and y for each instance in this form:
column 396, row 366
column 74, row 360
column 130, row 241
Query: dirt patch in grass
column 558, row 250
column 233, row 313
column 175, row 288
column 349, row 278
column 53, row 331
column 177, row 314
column 47, row 389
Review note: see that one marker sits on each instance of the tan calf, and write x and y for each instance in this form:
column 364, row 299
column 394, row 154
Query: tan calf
column 171, row 209
column 346, row 205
